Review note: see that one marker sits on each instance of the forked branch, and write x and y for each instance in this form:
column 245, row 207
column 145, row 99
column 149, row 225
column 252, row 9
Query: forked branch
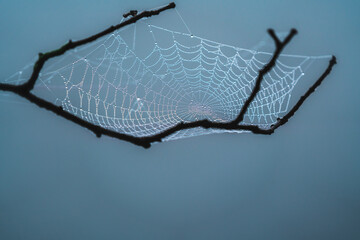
column 267, row 68
column 25, row 89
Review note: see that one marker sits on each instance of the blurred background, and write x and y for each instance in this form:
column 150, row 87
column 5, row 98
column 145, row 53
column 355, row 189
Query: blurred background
column 58, row 181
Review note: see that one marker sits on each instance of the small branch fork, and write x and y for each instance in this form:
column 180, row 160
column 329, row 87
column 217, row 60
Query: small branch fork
column 25, row 89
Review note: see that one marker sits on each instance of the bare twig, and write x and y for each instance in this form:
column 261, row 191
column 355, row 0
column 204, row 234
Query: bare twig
column 130, row 13
column 24, row 90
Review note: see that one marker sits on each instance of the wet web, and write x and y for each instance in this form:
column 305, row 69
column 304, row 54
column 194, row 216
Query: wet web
column 144, row 79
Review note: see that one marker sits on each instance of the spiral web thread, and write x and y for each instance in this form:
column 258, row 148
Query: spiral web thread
column 188, row 78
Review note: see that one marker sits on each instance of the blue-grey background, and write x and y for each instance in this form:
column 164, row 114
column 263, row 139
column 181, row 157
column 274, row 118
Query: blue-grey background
column 58, row 181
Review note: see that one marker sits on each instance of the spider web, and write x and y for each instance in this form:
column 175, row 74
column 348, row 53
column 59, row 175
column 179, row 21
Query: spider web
column 144, row 85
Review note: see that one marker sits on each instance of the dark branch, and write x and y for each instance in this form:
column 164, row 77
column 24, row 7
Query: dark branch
column 25, row 91
column 296, row 107
column 29, row 85
column 267, row 68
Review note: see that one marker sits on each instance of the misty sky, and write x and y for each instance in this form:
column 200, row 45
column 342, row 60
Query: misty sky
column 58, row 181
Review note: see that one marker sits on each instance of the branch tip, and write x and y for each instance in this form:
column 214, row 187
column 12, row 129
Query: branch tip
column 294, row 31
column 271, row 31
column 333, row 60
